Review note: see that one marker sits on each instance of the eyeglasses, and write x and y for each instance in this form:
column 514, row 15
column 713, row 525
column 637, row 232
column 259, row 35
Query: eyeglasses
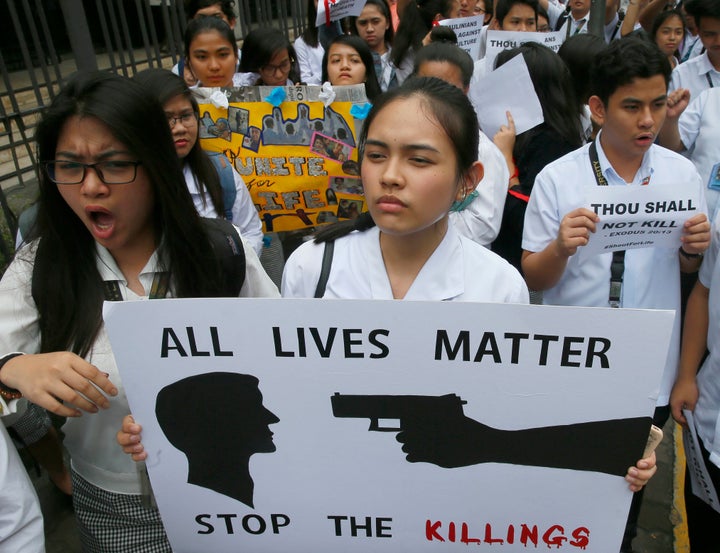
column 269, row 69
column 109, row 172
column 186, row 119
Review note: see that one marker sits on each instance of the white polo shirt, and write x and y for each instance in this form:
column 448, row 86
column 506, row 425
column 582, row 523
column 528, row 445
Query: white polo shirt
column 707, row 409
column 458, row 270
column 652, row 275
column 694, row 74
column 699, row 128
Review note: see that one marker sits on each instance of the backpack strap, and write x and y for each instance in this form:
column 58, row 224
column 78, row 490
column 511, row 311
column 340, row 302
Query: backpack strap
column 228, row 247
column 226, row 172
column 325, row 268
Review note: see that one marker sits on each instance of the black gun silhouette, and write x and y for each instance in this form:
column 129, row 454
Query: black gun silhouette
column 434, row 429
column 399, row 408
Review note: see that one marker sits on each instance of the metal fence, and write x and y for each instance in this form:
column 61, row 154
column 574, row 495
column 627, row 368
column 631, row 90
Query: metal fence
column 48, row 40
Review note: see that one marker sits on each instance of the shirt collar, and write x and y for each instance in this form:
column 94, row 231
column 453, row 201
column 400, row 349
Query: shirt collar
column 643, row 175
column 704, row 66
column 109, row 270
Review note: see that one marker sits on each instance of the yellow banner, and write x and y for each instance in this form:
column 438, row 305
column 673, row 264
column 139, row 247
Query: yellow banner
column 299, row 159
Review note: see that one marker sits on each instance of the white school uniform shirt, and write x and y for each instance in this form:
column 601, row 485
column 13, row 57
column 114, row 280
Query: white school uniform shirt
column 694, row 74
column 480, row 220
column 310, row 61
column 652, row 275
column 90, row 439
column 707, row 409
column 21, row 522
column 458, row 270
column 244, row 214
column 699, row 128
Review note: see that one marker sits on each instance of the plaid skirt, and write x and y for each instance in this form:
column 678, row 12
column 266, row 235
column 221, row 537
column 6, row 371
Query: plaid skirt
column 114, row 523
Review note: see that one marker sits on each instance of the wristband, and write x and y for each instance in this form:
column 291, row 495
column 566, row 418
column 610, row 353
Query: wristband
column 6, row 392
column 687, row 255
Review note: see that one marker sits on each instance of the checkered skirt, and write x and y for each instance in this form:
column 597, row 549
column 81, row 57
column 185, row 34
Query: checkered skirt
column 116, row 523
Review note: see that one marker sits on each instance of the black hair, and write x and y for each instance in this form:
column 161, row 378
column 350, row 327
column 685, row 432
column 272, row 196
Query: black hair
column 503, row 8
column 310, row 34
column 261, row 45
column 553, row 86
column 448, row 53
column 661, row 18
column 454, row 113
column 542, row 12
column 205, row 25
column 384, row 8
column 488, row 10
column 416, row 21
column 440, row 33
column 702, row 8
column 69, row 287
column 226, row 6
column 372, row 86
column 625, row 60
column 165, row 86
column 578, row 52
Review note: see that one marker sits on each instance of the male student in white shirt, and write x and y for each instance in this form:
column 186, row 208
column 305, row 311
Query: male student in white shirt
column 630, row 102
column 703, row 71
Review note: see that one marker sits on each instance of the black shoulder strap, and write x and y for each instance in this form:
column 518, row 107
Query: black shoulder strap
column 231, row 255
column 325, row 269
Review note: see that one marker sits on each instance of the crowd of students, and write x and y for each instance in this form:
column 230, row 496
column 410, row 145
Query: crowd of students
column 130, row 207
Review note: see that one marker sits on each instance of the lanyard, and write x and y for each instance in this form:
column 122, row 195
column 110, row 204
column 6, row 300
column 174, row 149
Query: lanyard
column 617, row 266
column 709, row 80
column 158, row 289
column 689, row 50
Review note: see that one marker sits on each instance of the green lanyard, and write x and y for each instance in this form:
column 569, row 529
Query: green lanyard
column 158, row 289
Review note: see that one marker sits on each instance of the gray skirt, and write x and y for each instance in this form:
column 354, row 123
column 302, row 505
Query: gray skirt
column 113, row 523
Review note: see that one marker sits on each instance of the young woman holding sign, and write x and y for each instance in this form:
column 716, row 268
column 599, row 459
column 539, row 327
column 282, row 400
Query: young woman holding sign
column 418, row 152
column 348, row 61
column 210, row 52
column 115, row 222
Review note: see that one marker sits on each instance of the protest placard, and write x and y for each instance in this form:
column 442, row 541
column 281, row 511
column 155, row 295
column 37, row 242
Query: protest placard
column 639, row 216
column 467, row 30
column 333, row 10
column 291, row 151
column 262, row 421
column 497, row 41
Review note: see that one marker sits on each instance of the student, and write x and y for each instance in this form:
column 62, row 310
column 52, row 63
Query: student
column 216, row 187
column 630, row 103
column 406, row 243
column 268, row 59
column 668, row 31
column 695, row 131
column 197, row 9
column 480, row 218
column 374, row 26
column 348, row 61
column 701, row 72
column 115, row 221
column 21, row 522
column 416, row 21
column 210, row 52
column 696, row 389
column 528, row 153
column 308, row 48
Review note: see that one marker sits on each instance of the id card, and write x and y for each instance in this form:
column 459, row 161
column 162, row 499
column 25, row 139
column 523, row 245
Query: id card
column 714, row 182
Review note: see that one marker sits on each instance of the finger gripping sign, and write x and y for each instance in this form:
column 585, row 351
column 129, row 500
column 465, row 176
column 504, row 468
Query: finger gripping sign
column 389, row 426
column 298, row 157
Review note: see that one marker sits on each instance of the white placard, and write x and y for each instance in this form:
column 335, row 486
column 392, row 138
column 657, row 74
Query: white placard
column 508, row 88
column 639, row 216
column 497, row 41
column 702, row 485
column 467, row 30
column 258, row 418
column 337, row 9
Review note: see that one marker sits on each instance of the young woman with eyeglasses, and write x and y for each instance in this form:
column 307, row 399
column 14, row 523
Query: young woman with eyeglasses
column 268, row 59
column 115, row 221
column 200, row 168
